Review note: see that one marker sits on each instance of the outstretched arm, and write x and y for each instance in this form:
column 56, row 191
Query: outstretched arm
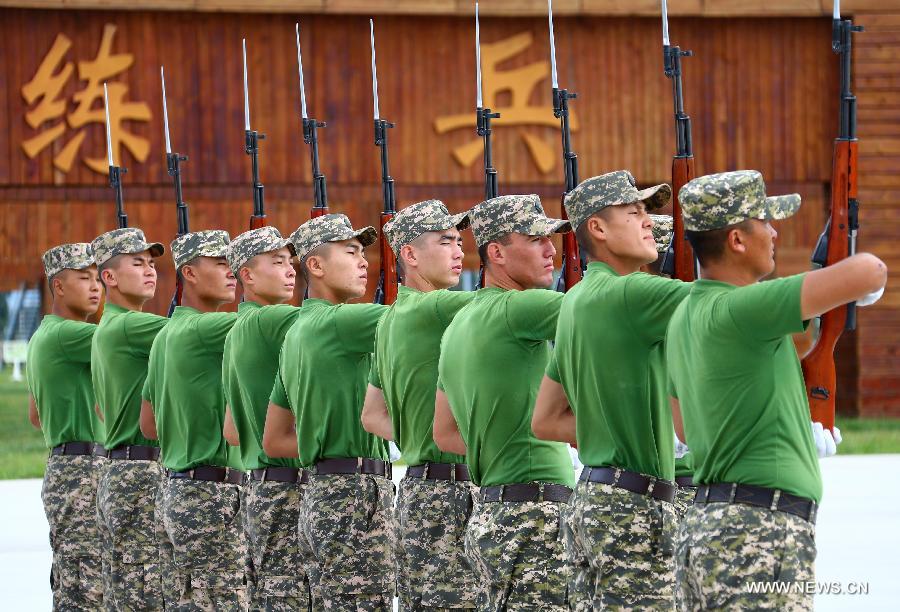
column 280, row 435
column 848, row 280
column 375, row 417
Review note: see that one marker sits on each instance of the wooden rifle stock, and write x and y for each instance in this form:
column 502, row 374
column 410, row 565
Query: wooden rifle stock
column 682, row 172
column 818, row 366
column 571, row 261
column 388, row 277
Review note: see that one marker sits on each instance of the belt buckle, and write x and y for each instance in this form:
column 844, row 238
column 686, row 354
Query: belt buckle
column 128, row 452
column 617, row 473
column 733, row 492
column 651, row 486
column 540, row 492
column 359, row 465
column 425, row 470
column 64, row 445
column 191, row 473
column 452, row 473
column 776, row 497
column 265, row 474
column 702, row 494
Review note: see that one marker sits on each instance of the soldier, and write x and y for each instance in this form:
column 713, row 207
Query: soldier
column 316, row 402
column 493, row 354
column 201, row 500
column 606, row 386
column 129, row 481
column 61, row 405
column 435, row 497
column 261, row 261
column 746, row 415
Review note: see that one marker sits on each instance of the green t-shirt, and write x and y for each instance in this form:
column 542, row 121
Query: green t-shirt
column 684, row 465
column 493, row 357
column 405, row 367
column 736, row 373
column 187, row 396
column 322, row 374
column 248, row 373
column 609, row 358
column 58, row 372
column 119, row 356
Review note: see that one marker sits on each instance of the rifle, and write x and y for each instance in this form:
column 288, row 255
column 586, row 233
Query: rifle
column 483, row 117
column 678, row 261
column 115, row 172
column 386, row 291
column 572, row 266
column 251, row 147
column 173, row 164
column 838, row 240
column 311, row 137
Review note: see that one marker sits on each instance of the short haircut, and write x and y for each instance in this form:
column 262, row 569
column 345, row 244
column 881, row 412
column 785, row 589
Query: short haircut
column 584, row 240
column 709, row 246
column 190, row 262
column 112, row 262
column 505, row 239
column 318, row 251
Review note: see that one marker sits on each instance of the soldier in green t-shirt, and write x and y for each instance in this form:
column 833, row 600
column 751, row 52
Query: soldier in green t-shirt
column 261, row 261
column 314, row 414
column 435, row 498
column 493, row 355
column 61, row 405
column 736, row 373
column 607, row 387
column 130, row 480
column 201, row 497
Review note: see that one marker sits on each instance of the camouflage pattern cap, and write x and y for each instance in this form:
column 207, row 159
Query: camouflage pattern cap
column 419, row 218
column 75, row 256
column 716, row 201
column 663, row 228
column 329, row 228
column 206, row 243
column 248, row 245
column 611, row 189
column 123, row 241
column 508, row 214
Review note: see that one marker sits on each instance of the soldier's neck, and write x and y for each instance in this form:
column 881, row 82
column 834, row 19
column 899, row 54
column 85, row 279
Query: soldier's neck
column 420, row 283
column 251, row 296
column 728, row 272
column 63, row 311
column 321, row 291
column 501, row 280
column 621, row 265
column 199, row 302
column 113, row 296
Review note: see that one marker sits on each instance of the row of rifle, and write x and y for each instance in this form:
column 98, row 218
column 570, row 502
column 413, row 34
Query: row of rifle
column 837, row 241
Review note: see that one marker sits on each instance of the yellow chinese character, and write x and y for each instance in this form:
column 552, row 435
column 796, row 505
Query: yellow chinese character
column 519, row 83
column 48, row 82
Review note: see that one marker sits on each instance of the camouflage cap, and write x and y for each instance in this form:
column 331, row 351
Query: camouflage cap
column 611, row 189
column 663, row 227
column 416, row 219
column 248, row 245
column 519, row 214
column 206, row 243
column 75, row 256
column 123, row 241
column 716, row 201
column 329, row 228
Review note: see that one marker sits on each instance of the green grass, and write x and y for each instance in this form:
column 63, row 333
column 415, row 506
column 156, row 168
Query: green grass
column 23, row 454
column 22, row 450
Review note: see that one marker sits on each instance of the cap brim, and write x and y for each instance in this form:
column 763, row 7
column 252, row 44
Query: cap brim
column 460, row 221
column 782, row 207
column 156, row 249
column 654, row 197
column 545, row 226
column 367, row 235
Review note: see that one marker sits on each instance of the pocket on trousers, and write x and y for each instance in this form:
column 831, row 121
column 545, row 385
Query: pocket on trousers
column 281, row 587
column 218, row 581
column 142, row 578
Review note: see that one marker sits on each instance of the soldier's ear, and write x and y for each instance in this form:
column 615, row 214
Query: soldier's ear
column 245, row 274
column 736, row 240
column 495, row 253
column 108, row 277
column 408, row 256
column 596, row 227
column 315, row 266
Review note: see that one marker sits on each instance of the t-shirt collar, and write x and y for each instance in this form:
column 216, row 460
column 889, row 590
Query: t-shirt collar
column 601, row 267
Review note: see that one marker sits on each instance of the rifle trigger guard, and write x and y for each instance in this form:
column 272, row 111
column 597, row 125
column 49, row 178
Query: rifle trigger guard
column 820, row 393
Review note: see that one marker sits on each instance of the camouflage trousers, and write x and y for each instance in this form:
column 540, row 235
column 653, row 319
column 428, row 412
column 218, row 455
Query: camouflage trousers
column 169, row 584
column 126, row 513
column 622, row 546
column 346, row 521
column 723, row 548
column 518, row 551
column 69, row 496
column 684, row 499
column 202, row 521
column 432, row 569
column 273, row 511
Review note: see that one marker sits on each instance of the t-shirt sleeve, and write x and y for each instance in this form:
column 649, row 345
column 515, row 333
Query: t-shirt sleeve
column 75, row 340
column 214, row 326
column 140, row 331
column 147, row 389
column 650, row 302
column 279, row 394
column 275, row 321
column 448, row 303
column 356, row 325
column 532, row 314
column 374, row 376
column 768, row 310
column 552, row 371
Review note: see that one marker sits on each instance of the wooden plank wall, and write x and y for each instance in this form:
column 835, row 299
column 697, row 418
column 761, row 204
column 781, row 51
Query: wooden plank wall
column 877, row 85
column 762, row 94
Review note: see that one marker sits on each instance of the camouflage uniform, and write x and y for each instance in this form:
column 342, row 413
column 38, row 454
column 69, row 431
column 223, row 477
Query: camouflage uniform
column 508, row 545
column 723, row 547
column 420, row 218
column 663, row 227
column 520, row 214
column 123, row 241
column 340, row 515
column 68, row 494
column 74, row 256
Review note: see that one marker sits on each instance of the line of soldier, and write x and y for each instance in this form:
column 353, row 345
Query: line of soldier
column 480, row 390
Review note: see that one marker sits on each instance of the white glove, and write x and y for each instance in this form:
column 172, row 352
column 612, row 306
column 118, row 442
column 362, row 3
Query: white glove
column 871, row 298
column 394, row 451
column 826, row 441
column 576, row 460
